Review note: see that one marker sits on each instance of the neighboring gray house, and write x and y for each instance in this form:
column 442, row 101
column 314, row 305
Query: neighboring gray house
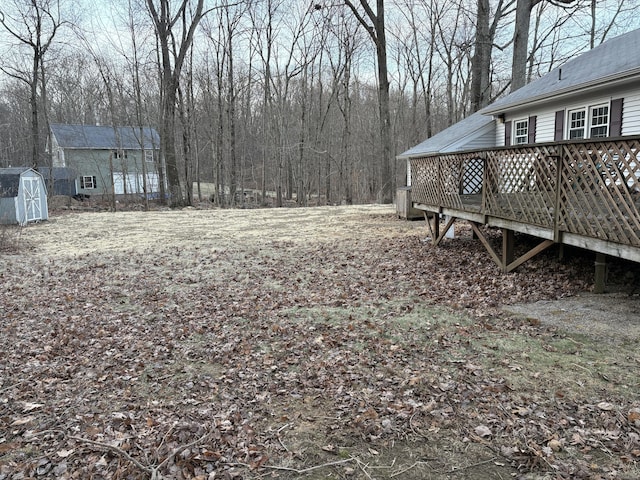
column 23, row 196
column 594, row 95
column 106, row 159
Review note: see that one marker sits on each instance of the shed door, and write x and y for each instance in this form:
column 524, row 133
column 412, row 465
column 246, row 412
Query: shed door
column 32, row 198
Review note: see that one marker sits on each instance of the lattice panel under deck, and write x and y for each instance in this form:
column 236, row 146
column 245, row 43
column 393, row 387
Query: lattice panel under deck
column 520, row 184
column 425, row 181
column 600, row 190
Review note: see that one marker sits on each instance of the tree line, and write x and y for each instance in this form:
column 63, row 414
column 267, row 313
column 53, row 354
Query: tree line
column 309, row 101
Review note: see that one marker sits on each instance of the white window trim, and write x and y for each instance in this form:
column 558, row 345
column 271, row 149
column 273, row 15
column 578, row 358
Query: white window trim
column 87, row 182
column 515, row 136
column 148, row 156
column 588, row 117
column 583, row 128
column 607, row 125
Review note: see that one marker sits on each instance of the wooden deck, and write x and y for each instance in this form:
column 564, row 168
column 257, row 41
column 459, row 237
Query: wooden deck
column 585, row 194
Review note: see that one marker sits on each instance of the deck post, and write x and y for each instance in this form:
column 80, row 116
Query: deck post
column 508, row 241
column 601, row 273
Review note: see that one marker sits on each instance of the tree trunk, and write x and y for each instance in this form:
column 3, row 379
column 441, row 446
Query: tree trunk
column 481, row 61
column 378, row 35
column 521, row 44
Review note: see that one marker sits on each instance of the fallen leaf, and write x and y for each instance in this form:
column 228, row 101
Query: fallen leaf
column 22, row 421
column 28, row 406
column 634, row 415
column 483, row 431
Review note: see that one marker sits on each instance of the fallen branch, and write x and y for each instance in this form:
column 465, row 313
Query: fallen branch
column 467, row 467
column 362, row 466
column 155, row 475
column 153, row 471
column 116, row 450
column 309, row 469
column 397, row 474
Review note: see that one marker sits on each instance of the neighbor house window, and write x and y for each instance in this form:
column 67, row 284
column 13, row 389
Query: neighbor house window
column 148, row 156
column 521, row 131
column 577, row 123
column 599, row 121
column 87, row 182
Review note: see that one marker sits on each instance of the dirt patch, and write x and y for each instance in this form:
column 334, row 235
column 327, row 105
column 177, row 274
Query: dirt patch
column 612, row 317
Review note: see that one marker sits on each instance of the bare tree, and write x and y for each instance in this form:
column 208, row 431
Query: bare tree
column 481, row 61
column 34, row 25
column 175, row 24
column 374, row 23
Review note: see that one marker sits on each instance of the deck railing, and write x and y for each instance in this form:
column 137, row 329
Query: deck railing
column 589, row 188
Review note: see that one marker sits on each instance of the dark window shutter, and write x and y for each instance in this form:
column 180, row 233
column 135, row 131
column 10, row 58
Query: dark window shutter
column 532, row 129
column 507, row 134
column 559, row 129
column 615, row 123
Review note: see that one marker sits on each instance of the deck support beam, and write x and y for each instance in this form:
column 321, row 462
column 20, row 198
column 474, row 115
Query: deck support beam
column 434, row 230
column 437, row 234
column 601, row 273
column 508, row 242
column 506, row 262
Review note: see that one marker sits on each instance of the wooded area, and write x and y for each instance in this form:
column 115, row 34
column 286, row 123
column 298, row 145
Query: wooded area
column 308, row 100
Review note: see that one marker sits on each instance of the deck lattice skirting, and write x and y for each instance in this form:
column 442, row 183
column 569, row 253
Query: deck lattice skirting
column 585, row 194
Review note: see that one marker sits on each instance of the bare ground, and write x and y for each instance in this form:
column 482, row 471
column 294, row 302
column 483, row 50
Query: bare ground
column 327, row 342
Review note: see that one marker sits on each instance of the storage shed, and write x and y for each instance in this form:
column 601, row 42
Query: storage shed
column 23, row 196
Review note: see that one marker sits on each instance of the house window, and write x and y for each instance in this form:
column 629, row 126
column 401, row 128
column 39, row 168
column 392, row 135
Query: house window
column 577, row 122
column 87, row 182
column 148, row 156
column 521, row 131
column 599, row 119
column 119, row 154
column 595, row 125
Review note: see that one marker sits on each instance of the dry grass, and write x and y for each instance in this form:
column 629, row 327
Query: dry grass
column 264, row 319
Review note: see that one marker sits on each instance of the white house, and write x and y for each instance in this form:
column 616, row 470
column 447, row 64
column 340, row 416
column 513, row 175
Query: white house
column 594, row 95
column 558, row 159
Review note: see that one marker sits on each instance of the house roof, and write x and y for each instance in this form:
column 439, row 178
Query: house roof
column 448, row 139
column 616, row 60
column 100, row 137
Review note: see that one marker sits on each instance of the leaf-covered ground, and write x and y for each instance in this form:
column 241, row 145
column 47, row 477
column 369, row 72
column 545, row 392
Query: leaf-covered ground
column 303, row 343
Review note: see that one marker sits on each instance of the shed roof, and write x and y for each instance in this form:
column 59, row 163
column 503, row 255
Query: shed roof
column 100, row 137
column 616, row 60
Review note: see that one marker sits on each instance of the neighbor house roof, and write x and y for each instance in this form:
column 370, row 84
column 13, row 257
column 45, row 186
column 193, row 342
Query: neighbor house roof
column 99, row 137
column 448, row 140
column 614, row 61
